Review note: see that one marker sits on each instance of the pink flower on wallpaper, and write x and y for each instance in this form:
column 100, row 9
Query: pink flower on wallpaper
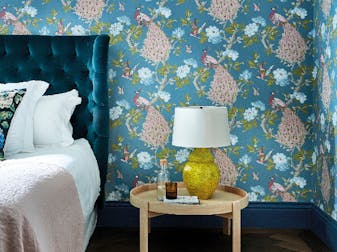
column 20, row 29
column 326, row 88
column 156, row 45
column 291, row 131
column 224, row 89
column 292, row 46
column 155, row 130
column 287, row 197
column 326, row 7
column 89, row 9
column 325, row 182
column 228, row 171
column 224, row 9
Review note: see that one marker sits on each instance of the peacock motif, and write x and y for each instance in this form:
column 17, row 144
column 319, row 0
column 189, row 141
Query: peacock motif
column 292, row 46
column 89, row 9
column 326, row 85
column 155, row 130
column 224, row 9
column 326, row 7
column 20, row 29
column 291, row 131
column 156, row 44
column 325, row 182
column 228, row 171
column 224, row 89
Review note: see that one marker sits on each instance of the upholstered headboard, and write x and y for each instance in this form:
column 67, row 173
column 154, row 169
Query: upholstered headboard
column 66, row 62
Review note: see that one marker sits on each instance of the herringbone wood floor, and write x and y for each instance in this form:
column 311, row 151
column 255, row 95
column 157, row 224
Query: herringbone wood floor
column 205, row 240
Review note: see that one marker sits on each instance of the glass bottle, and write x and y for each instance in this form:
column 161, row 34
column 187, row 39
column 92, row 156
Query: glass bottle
column 163, row 177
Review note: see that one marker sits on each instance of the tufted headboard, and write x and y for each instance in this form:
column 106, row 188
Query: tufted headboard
column 66, row 62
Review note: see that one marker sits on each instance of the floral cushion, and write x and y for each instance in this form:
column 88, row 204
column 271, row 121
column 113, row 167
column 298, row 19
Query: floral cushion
column 9, row 101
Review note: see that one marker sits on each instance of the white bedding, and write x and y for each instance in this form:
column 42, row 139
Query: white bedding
column 80, row 161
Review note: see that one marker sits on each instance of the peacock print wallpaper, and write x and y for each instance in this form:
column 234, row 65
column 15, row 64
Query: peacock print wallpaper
column 271, row 63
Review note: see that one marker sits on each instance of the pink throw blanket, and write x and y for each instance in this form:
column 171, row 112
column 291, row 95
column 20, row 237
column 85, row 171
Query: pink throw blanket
column 39, row 208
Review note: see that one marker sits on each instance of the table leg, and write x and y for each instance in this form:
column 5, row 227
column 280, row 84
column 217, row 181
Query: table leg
column 143, row 229
column 226, row 229
column 236, row 227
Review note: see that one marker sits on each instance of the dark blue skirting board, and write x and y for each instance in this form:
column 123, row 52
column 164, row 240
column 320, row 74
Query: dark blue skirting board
column 255, row 215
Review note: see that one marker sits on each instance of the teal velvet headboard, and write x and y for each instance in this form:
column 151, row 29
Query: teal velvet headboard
column 66, row 62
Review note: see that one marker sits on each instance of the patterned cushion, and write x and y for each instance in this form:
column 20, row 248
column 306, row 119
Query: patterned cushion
column 9, row 101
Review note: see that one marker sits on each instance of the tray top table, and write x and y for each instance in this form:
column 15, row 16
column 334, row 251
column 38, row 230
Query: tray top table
column 226, row 202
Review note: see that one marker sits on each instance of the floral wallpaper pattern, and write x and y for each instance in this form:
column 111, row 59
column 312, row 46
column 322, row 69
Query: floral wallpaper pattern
column 267, row 62
column 325, row 105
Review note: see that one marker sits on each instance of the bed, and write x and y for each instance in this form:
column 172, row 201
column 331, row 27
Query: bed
column 66, row 63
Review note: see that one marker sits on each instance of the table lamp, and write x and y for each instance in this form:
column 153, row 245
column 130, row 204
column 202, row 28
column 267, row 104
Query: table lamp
column 202, row 128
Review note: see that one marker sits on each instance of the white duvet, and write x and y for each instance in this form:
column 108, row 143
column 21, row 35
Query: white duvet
column 79, row 160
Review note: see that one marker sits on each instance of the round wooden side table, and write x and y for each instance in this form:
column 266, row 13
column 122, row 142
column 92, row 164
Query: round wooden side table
column 226, row 202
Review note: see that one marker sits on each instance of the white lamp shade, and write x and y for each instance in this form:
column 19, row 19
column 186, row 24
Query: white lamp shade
column 200, row 127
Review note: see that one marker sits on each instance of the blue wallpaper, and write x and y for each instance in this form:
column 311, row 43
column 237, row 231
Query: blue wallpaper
column 325, row 105
column 271, row 63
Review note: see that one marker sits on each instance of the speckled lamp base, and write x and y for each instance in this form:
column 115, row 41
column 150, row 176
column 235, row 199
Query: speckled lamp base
column 200, row 174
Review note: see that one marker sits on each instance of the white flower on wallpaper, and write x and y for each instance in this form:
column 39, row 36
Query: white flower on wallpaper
column 233, row 139
column 281, row 77
column 124, row 20
column 245, row 75
column 334, row 117
column 301, row 97
column 182, row 155
column 115, row 112
column 327, row 145
column 245, row 159
column 281, row 161
column 111, row 158
column 178, row 33
column 145, row 160
column 257, row 193
column 164, row 95
column 213, row 34
column 234, row 55
column 259, row 20
column 334, row 20
column 314, row 156
column 78, row 30
column 322, row 121
column 29, row 10
column 314, row 72
column 302, row 13
column 44, row 31
column 259, row 105
column 250, row 114
column 112, row 74
column 124, row 104
column 166, row 12
column 183, row 71
column 251, row 29
column 116, row 28
column 146, row 76
column 299, row 181
column 114, row 196
column 191, row 62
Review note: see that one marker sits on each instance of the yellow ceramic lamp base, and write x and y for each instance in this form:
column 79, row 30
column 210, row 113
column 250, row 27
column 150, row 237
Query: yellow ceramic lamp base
column 201, row 175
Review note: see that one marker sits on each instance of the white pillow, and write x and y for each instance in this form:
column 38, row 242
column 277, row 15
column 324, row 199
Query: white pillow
column 20, row 133
column 52, row 115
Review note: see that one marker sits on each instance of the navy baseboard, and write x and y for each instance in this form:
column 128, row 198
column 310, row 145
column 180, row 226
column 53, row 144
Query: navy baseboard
column 255, row 215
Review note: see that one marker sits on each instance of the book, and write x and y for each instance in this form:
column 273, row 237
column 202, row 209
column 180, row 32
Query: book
column 189, row 200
